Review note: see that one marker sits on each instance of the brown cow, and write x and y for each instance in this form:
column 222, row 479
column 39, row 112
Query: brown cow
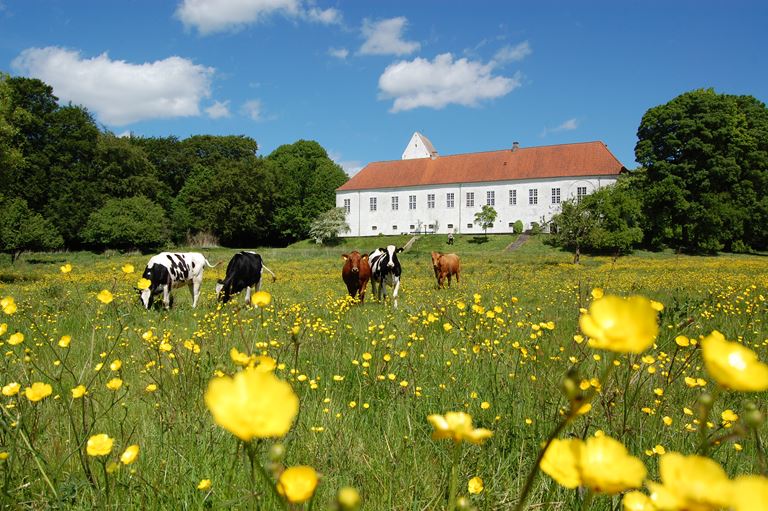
column 356, row 273
column 445, row 265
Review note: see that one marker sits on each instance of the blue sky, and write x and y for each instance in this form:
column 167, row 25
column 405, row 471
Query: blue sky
column 361, row 76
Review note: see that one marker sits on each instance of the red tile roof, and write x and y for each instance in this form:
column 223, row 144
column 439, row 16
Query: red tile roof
column 565, row 160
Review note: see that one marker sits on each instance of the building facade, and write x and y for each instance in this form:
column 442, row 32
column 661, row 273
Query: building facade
column 441, row 194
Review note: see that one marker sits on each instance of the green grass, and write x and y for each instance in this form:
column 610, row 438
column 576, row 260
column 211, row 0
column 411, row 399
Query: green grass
column 510, row 361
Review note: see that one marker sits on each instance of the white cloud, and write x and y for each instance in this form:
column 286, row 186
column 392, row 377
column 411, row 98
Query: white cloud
column 513, row 53
column 339, row 53
column 568, row 125
column 328, row 16
column 211, row 16
column 252, row 109
column 218, row 110
column 385, row 38
column 351, row 167
column 119, row 92
column 437, row 83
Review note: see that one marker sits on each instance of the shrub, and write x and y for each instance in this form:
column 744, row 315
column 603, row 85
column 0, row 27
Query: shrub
column 535, row 228
column 22, row 229
column 518, row 227
column 133, row 223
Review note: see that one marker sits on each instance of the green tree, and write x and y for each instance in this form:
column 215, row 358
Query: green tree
column 11, row 157
column 571, row 228
column 485, row 217
column 306, row 181
column 21, row 229
column 126, row 224
column 329, row 225
column 706, row 162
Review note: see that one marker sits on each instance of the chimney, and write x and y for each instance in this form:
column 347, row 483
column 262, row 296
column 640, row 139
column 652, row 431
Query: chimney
column 515, row 146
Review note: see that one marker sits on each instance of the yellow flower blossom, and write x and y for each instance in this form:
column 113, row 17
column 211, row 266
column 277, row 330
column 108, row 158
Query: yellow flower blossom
column 105, row 296
column 116, row 365
column 143, row 284
column 128, row 268
column 16, row 339
column 297, row 484
column 348, row 498
column 261, row 298
column 252, row 404
column 99, row 445
column 114, row 384
column 130, row 454
column 621, row 325
column 733, row 365
column 65, row 341
column 79, row 392
column 729, row 416
column 3, row 328
column 11, row 389
column 475, row 485
column 8, row 304
column 204, row 485
column 458, row 427
column 750, row 493
column 690, row 482
column 636, row 501
column 38, row 391
column 66, row 268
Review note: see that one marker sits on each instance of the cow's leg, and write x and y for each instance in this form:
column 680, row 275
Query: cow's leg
column 166, row 296
column 362, row 292
column 396, row 281
column 374, row 289
column 449, row 279
column 248, row 295
column 197, row 283
column 457, row 278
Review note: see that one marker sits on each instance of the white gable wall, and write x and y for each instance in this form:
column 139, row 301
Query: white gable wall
column 461, row 217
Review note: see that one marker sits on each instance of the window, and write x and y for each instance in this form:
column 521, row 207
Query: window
column 581, row 192
column 373, row 203
column 373, row 228
column 555, row 195
column 450, row 226
column 470, row 199
column 394, row 227
column 449, row 200
column 431, row 226
column 395, row 203
column 533, row 196
column 430, row 201
column 490, row 198
column 469, row 226
column 413, row 227
column 411, row 202
column 347, row 205
column 511, row 224
column 512, row 197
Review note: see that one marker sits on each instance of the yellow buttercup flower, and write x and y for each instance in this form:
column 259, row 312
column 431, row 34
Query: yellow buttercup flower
column 729, row 416
column 38, row 391
column 99, row 445
column 105, row 296
column 297, row 484
column 348, row 498
column 265, row 363
column 64, row 341
column 636, row 501
column 475, row 485
column 4, row 455
column 261, row 298
column 151, row 387
column 143, row 283
column 252, row 404
column 130, row 454
column 114, row 384
column 16, row 339
column 733, row 365
column 750, row 493
column 602, row 464
column 116, row 365
column 79, row 392
column 128, row 268
column 204, row 484
column 623, row 325
column 3, row 328
column 66, row 268
column 458, row 427
column 8, row 304
column 690, row 482
column 11, row 389
column 239, row 358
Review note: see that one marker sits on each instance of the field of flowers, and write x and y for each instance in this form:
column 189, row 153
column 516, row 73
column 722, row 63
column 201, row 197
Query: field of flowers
column 534, row 384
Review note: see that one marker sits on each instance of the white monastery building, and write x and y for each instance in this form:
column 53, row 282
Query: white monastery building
column 427, row 192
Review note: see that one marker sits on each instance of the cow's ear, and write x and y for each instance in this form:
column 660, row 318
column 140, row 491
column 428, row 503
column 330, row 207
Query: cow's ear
column 365, row 256
column 344, row 256
column 399, row 249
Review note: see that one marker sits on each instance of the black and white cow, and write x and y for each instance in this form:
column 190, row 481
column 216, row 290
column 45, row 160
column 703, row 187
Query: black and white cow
column 243, row 272
column 168, row 270
column 385, row 269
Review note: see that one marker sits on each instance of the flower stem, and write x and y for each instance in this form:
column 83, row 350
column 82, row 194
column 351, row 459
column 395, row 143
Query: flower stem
column 587, row 502
column 535, row 468
column 453, row 485
column 256, row 466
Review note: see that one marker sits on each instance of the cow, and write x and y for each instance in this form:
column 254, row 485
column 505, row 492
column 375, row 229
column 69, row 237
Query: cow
column 243, row 272
column 445, row 265
column 385, row 269
column 168, row 270
column 356, row 273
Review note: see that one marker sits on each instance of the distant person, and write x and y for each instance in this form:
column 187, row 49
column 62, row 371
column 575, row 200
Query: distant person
column 450, row 238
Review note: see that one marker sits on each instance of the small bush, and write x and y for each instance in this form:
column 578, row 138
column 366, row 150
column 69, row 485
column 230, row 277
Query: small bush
column 126, row 224
column 517, row 227
column 535, row 228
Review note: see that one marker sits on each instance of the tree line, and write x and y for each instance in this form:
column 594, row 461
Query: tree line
column 66, row 183
column 702, row 184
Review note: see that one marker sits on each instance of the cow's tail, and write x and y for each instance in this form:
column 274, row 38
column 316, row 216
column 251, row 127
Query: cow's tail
column 274, row 277
column 211, row 265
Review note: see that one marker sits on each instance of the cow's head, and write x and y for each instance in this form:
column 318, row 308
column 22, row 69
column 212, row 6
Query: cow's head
column 145, row 295
column 391, row 250
column 436, row 258
column 353, row 259
column 219, row 287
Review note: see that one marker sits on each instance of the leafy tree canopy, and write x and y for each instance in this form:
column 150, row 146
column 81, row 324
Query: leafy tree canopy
column 126, row 224
column 22, row 229
column 329, row 225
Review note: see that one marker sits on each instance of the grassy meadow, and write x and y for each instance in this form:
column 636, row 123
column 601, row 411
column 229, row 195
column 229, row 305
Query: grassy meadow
column 498, row 347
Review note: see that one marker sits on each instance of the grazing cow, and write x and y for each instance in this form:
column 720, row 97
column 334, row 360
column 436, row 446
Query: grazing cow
column 385, row 269
column 445, row 265
column 243, row 272
column 168, row 270
column 356, row 273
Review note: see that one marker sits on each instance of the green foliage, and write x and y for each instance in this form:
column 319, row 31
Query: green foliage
column 518, row 227
column 485, row 217
column 22, row 229
column 706, row 161
column 306, row 180
column 131, row 223
column 329, row 225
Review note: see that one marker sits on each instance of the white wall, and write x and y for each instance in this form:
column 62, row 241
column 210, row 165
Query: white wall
column 385, row 220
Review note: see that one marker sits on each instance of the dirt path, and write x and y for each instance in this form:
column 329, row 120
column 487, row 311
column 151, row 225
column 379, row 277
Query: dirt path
column 410, row 242
column 518, row 242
